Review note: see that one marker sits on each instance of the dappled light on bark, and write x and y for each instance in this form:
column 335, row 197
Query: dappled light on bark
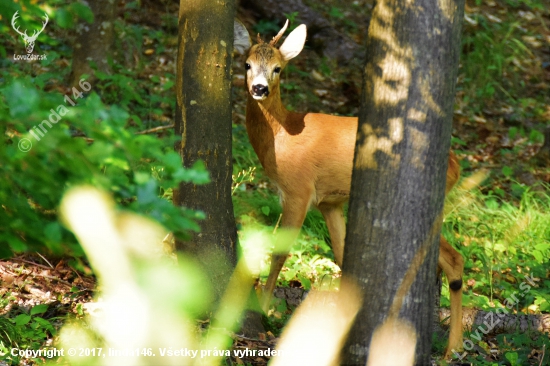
column 372, row 144
column 400, row 170
column 392, row 86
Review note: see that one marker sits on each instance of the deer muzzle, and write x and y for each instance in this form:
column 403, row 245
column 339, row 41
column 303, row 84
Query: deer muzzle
column 260, row 91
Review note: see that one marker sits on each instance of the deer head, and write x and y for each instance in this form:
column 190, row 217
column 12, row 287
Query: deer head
column 29, row 40
column 265, row 61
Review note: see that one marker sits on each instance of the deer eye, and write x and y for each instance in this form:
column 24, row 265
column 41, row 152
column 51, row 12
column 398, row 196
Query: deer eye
column 277, row 70
column 247, row 66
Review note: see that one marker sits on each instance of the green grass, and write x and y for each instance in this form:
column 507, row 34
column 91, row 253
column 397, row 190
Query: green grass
column 501, row 242
column 26, row 330
column 506, row 248
column 499, row 65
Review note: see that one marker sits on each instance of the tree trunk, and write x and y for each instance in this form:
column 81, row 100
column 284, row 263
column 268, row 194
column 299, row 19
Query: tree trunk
column 203, row 120
column 400, row 165
column 94, row 41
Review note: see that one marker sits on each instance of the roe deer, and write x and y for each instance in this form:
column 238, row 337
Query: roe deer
column 310, row 156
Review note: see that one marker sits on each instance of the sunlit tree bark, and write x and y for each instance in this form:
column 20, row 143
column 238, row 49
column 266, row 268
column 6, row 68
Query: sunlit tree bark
column 398, row 182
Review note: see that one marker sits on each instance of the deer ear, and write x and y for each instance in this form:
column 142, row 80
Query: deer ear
column 242, row 41
column 294, row 43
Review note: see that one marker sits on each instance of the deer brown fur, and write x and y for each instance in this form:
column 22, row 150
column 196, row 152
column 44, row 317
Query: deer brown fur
column 309, row 156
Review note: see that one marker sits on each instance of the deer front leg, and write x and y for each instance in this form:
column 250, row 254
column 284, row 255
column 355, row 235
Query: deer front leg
column 453, row 265
column 294, row 213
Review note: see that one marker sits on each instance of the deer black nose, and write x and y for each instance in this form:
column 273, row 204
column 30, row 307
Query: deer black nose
column 260, row 90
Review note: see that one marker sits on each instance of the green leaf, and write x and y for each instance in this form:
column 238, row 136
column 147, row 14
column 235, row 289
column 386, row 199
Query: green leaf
column 52, row 231
column 306, row 282
column 141, row 177
column 172, row 161
column 17, row 245
column 117, row 162
column 456, row 140
column 500, row 247
column 22, row 100
column 168, row 85
column 63, row 18
column 118, row 115
column 136, row 119
column 536, row 137
column 82, row 11
column 492, row 204
column 518, row 189
column 197, row 174
column 507, row 171
column 22, row 319
column 39, row 309
column 265, row 210
column 289, row 275
column 538, row 255
column 512, row 357
column 282, row 306
column 147, row 193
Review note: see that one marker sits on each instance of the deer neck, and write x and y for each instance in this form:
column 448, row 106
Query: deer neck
column 264, row 120
column 269, row 113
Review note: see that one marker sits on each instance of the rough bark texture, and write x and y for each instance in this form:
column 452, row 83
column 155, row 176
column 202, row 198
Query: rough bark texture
column 321, row 35
column 400, row 164
column 203, row 120
column 94, row 41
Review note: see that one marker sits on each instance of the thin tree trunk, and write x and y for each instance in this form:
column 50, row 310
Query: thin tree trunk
column 94, row 41
column 203, row 120
column 400, row 165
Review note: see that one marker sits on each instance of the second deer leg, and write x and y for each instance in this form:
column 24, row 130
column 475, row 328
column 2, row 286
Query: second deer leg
column 451, row 262
column 294, row 213
column 336, row 224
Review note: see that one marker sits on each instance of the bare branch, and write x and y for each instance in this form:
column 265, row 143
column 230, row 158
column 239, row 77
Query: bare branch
column 155, row 129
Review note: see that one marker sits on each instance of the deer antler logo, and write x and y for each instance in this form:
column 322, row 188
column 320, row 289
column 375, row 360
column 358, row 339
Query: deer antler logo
column 29, row 40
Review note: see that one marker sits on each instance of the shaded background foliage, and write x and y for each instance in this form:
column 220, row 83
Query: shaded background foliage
column 94, row 143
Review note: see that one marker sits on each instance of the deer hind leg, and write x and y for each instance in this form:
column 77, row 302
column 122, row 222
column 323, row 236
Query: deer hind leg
column 336, row 224
column 294, row 213
column 451, row 262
